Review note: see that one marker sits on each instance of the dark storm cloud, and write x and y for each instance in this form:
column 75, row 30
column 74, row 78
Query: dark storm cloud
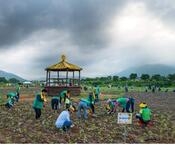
column 83, row 20
column 20, row 18
column 87, row 22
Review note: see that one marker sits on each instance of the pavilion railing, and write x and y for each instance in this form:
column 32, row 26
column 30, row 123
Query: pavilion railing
column 63, row 82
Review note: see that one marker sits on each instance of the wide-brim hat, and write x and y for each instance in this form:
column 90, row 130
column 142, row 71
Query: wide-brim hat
column 142, row 105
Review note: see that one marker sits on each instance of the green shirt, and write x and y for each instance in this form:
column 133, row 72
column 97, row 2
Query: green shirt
column 145, row 114
column 38, row 102
column 122, row 101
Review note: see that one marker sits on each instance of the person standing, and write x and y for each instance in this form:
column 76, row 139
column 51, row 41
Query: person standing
column 97, row 93
column 17, row 92
column 39, row 102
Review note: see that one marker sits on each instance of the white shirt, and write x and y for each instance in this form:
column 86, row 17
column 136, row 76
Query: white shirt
column 64, row 116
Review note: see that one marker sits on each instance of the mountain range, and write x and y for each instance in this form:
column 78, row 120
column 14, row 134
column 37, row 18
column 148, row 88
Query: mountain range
column 8, row 76
column 150, row 69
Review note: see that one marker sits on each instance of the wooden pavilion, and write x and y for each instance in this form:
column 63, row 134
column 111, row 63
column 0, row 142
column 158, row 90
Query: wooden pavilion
column 63, row 76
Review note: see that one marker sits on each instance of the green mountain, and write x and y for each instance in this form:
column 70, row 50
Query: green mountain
column 150, row 69
column 10, row 75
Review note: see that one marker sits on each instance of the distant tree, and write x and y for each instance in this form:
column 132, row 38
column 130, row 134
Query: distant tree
column 133, row 76
column 14, row 80
column 171, row 77
column 156, row 77
column 115, row 78
column 109, row 77
column 103, row 78
column 145, row 76
column 3, row 80
column 123, row 78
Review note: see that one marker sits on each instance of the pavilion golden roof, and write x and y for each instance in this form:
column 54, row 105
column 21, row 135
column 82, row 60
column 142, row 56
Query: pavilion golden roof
column 63, row 65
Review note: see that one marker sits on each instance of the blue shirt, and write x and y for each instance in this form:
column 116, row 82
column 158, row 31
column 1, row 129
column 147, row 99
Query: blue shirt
column 64, row 116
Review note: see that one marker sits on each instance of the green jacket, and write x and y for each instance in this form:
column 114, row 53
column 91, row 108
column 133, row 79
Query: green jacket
column 89, row 100
column 122, row 101
column 63, row 93
column 17, row 88
column 38, row 102
column 11, row 95
column 86, row 101
column 55, row 97
column 145, row 114
column 97, row 90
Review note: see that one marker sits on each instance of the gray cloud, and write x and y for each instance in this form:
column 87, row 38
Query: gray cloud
column 163, row 9
column 94, row 34
column 83, row 20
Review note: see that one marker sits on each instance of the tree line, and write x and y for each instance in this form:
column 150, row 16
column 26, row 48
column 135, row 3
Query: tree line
column 11, row 80
column 132, row 80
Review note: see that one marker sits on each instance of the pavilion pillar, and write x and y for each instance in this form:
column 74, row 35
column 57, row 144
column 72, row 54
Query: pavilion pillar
column 66, row 77
column 49, row 78
column 46, row 77
column 58, row 77
column 73, row 79
column 79, row 79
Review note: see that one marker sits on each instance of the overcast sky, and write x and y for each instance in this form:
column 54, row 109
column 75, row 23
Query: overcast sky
column 101, row 36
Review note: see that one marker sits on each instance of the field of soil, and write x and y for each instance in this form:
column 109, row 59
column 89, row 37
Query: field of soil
column 18, row 125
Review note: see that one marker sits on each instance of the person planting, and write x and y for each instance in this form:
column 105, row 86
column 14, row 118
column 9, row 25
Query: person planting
column 63, row 95
column 69, row 103
column 63, row 121
column 12, row 95
column 10, row 102
column 86, row 104
column 124, row 102
column 110, row 106
column 144, row 114
column 55, row 102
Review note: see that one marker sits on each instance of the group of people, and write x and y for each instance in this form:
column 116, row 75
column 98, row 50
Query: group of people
column 127, row 103
column 12, row 97
column 63, row 99
column 85, row 105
